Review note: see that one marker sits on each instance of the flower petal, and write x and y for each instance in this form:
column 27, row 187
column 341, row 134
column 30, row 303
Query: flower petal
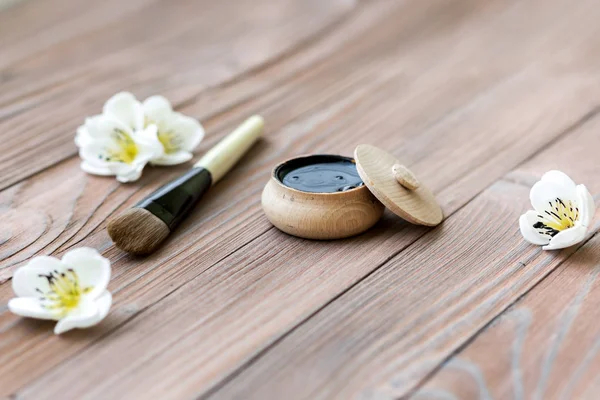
column 91, row 268
column 173, row 158
column 30, row 277
column 148, row 143
column 129, row 172
column 587, row 205
column 189, row 130
column 148, row 147
column 149, row 136
column 157, row 108
column 29, row 307
column 82, row 137
column 530, row 234
column 103, row 302
column 544, row 192
column 559, row 178
column 89, row 313
column 97, row 156
column 567, row 238
column 126, row 108
column 103, row 126
column 86, row 315
column 119, row 153
column 132, row 175
column 96, row 170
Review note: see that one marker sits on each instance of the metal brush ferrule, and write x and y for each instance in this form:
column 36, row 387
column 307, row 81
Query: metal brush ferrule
column 172, row 202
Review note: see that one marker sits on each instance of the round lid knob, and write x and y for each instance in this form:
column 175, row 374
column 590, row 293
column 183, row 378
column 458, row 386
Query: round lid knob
column 396, row 186
column 405, row 177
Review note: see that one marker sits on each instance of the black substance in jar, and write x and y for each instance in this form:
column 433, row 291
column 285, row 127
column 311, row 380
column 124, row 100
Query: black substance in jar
column 320, row 174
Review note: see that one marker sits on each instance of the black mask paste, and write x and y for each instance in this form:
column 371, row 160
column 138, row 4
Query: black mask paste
column 320, row 174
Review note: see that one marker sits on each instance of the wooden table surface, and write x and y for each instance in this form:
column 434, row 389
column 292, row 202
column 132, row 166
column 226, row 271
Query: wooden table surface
column 479, row 98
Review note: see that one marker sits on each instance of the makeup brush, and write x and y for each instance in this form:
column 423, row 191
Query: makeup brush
column 141, row 229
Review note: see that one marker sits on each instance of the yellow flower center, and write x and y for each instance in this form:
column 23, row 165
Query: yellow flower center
column 123, row 150
column 64, row 292
column 558, row 216
column 128, row 148
column 168, row 138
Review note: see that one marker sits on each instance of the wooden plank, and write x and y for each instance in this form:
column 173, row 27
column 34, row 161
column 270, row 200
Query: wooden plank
column 292, row 99
column 60, row 225
column 4, row 4
column 423, row 112
column 296, row 102
column 226, row 283
column 386, row 334
column 191, row 52
column 217, row 242
column 34, row 25
column 545, row 346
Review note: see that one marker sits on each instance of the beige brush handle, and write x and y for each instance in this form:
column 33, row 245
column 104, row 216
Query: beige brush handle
column 228, row 151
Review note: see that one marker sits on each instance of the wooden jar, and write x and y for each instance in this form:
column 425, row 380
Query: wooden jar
column 378, row 180
column 318, row 215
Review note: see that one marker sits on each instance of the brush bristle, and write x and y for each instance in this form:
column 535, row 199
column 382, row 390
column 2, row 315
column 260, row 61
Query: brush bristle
column 137, row 231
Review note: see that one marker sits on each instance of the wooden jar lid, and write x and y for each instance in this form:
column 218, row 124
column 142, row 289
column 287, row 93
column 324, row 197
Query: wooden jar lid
column 396, row 186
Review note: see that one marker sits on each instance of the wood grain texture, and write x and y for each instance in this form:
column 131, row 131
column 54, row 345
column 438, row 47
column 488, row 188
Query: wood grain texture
column 62, row 223
column 479, row 97
column 198, row 46
column 7, row 3
column 222, row 364
column 385, row 335
column 304, row 95
column 544, row 346
column 215, row 242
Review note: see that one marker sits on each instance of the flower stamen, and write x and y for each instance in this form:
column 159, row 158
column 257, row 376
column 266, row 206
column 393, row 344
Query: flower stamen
column 559, row 216
column 65, row 291
column 125, row 151
column 170, row 141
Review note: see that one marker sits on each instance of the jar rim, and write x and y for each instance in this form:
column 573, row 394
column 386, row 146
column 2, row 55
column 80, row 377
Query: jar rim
column 282, row 169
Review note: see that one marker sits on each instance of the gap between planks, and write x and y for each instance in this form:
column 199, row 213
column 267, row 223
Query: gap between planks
column 262, row 105
column 313, row 39
column 588, row 133
column 306, row 114
column 500, row 314
column 582, row 281
column 568, row 131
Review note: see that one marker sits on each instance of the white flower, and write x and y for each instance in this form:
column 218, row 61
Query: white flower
column 563, row 212
column 139, row 133
column 123, row 107
column 71, row 291
column 126, row 108
column 179, row 135
column 110, row 147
